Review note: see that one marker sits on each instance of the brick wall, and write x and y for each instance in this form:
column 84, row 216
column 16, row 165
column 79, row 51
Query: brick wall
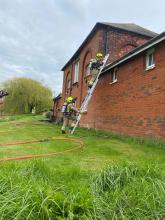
column 57, row 115
column 121, row 42
column 79, row 89
column 106, row 40
column 135, row 105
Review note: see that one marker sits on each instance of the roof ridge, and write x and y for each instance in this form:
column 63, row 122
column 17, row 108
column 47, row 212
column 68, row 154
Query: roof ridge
column 136, row 29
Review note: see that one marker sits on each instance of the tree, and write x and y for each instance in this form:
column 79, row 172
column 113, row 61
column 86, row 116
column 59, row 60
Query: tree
column 24, row 94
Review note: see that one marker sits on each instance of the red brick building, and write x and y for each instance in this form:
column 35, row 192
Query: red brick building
column 130, row 95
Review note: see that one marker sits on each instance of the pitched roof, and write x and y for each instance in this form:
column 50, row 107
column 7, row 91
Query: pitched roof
column 120, row 26
column 132, row 28
column 149, row 44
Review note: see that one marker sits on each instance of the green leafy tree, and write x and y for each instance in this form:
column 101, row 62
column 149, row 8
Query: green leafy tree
column 25, row 94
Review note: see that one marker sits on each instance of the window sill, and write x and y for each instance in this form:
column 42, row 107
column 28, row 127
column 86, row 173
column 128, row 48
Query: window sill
column 113, row 82
column 150, row 67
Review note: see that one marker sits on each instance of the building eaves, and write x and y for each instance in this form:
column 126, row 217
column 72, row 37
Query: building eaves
column 136, row 51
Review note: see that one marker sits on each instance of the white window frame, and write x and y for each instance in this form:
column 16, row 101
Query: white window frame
column 150, row 55
column 76, row 72
column 114, row 76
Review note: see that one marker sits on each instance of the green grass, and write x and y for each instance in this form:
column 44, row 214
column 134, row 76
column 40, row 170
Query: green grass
column 113, row 177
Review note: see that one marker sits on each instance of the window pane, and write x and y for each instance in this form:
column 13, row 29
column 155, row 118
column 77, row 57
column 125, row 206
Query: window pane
column 150, row 59
column 114, row 75
column 76, row 69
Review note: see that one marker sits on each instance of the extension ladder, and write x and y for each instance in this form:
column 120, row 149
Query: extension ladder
column 89, row 94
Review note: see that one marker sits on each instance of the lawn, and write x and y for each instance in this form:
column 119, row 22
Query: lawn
column 112, row 177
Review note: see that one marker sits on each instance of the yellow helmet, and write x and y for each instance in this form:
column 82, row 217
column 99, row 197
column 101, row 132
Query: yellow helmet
column 99, row 54
column 69, row 99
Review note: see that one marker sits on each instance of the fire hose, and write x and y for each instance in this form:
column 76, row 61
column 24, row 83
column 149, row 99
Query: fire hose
column 80, row 146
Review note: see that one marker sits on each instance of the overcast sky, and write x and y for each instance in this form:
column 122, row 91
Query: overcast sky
column 37, row 37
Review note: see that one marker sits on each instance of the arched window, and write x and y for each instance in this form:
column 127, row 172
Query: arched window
column 87, row 58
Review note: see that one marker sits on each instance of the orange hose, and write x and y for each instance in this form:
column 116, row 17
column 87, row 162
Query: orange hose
column 42, row 155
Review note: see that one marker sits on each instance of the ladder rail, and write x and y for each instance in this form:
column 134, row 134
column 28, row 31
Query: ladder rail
column 89, row 94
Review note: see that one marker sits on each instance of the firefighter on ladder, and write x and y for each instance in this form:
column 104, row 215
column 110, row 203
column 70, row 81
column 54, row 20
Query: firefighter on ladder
column 94, row 66
column 69, row 114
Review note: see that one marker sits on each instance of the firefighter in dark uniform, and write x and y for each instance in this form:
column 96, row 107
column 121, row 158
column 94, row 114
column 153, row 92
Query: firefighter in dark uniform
column 69, row 114
column 94, row 66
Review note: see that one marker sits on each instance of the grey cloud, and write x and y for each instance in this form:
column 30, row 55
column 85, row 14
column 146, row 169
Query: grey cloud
column 39, row 36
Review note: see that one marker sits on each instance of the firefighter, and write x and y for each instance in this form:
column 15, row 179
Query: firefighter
column 69, row 114
column 94, row 66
